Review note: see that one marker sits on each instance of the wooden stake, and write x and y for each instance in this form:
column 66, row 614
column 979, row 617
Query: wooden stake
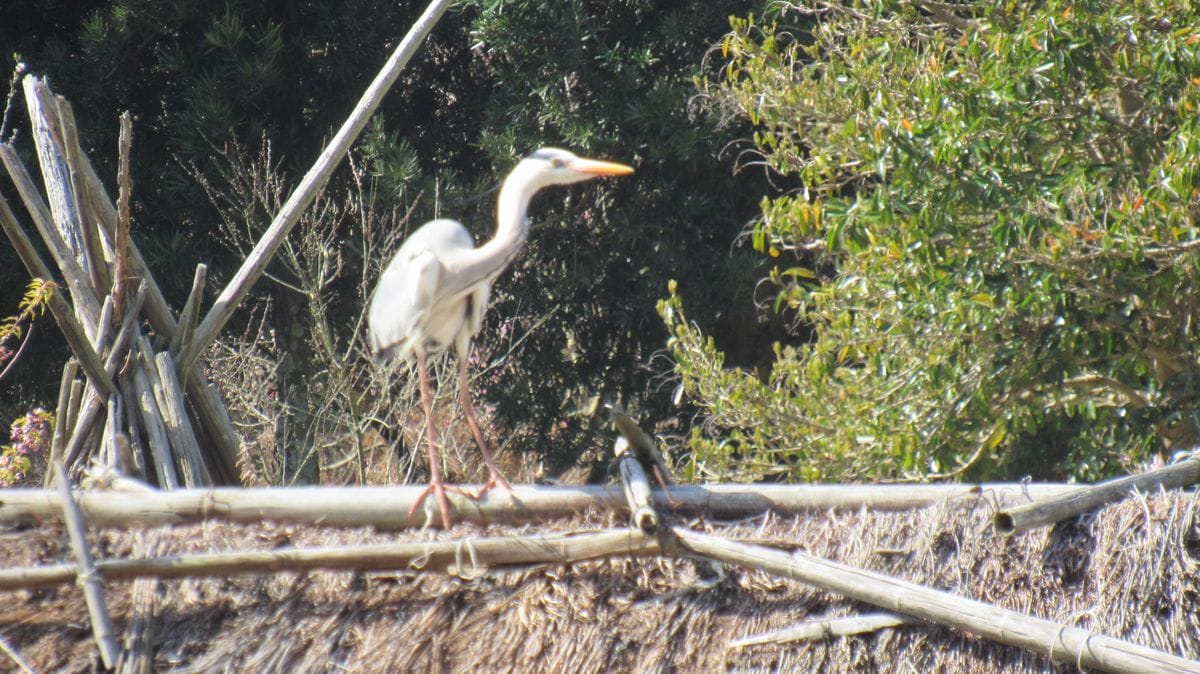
column 93, row 250
column 93, row 588
column 179, row 428
column 82, row 426
column 1061, row 642
column 1057, row 508
column 637, row 488
column 121, row 275
column 58, row 440
column 156, row 430
column 187, row 319
column 86, row 300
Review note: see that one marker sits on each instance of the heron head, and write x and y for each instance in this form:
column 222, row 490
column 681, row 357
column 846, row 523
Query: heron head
column 553, row 166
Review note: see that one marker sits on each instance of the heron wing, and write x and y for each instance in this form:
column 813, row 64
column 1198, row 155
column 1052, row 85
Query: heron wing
column 410, row 291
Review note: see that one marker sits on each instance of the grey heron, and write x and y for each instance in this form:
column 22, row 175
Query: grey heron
column 434, row 292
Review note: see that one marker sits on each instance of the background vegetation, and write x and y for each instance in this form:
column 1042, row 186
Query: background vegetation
column 987, row 220
column 972, row 251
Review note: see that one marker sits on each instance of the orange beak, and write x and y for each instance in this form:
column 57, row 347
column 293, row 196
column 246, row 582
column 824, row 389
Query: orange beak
column 595, row 167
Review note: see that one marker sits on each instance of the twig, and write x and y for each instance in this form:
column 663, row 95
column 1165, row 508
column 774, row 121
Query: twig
column 93, row 588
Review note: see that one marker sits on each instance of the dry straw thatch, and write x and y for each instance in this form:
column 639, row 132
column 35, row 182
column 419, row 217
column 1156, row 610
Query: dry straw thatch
column 1131, row 571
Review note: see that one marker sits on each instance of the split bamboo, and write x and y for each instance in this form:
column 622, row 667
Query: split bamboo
column 827, row 628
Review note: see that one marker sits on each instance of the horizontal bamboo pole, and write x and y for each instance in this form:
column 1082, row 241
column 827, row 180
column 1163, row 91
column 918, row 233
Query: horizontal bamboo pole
column 1061, row 642
column 463, row 557
column 1053, row 509
column 387, row 507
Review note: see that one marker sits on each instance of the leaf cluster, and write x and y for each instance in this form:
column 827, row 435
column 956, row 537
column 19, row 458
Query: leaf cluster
column 992, row 239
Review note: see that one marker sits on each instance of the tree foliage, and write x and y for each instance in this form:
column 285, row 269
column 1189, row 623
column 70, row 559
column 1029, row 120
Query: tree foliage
column 989, row 229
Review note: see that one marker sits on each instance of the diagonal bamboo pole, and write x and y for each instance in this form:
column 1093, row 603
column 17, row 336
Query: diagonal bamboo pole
column 93, row 588
column 1057, row 508
column 256, row 263
column 1059, row 641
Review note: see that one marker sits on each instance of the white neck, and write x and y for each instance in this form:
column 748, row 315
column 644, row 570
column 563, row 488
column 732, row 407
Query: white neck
column 512, row 227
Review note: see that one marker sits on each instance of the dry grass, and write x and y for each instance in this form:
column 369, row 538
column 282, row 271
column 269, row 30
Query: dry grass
column 1132, row 571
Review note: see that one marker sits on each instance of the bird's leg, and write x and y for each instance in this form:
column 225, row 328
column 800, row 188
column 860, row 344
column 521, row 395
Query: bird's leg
column 495, row 479
column 435, row 463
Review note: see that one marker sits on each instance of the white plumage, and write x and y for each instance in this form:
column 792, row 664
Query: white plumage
column 434, row 292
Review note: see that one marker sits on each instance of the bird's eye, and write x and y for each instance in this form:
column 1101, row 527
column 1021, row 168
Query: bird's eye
column 558, row 162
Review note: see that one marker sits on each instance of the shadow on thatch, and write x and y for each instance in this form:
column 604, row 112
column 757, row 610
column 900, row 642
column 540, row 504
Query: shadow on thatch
column 1129, row 571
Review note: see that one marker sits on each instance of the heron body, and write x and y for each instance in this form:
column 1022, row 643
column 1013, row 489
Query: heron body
column 434, row 292
column 414, row 318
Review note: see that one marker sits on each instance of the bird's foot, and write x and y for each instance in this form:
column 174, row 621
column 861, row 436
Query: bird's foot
column 439, row 489
column 496, row 480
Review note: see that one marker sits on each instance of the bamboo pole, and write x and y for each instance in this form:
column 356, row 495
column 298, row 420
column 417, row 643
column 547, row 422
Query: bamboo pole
column 187, row 318
column 82, row 426
column 156, row 430
column 169, row 395
column 93, row 588
column 825, row 628
column 636, row 487
column 93, row 250
column 1056, row 508
column 387, row 507
column 72, row 255
column 258, row 259
column 1059, row 641
column 76, row 334
column 59, row 439
column 463, row 557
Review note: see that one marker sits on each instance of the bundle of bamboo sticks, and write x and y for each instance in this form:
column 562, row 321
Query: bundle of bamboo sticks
column 127, row 402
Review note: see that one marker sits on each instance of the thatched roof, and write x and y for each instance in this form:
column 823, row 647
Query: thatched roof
column 1131, row 571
